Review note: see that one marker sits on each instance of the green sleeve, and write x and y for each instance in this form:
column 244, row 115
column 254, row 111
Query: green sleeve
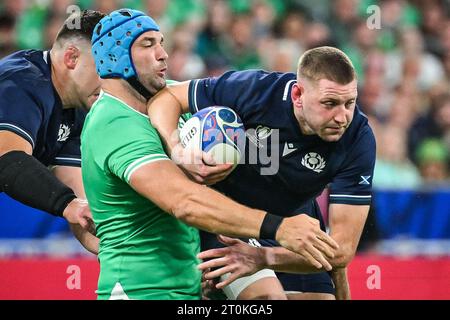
column 136, row 143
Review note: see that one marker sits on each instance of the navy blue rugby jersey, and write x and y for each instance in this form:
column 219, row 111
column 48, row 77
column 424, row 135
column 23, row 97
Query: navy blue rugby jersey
column 306, row 163
column 31, row 108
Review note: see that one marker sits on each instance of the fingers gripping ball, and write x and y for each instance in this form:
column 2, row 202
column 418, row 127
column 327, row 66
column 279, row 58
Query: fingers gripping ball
column 217, row 131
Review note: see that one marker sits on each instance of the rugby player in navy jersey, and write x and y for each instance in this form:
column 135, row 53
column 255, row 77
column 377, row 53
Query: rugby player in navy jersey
column 44, row 97
column 323, row 139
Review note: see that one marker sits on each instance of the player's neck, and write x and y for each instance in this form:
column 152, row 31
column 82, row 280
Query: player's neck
column 122, row 90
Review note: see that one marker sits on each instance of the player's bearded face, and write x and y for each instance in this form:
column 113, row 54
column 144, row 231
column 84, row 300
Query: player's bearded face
column 327, row 108
column 150, row 60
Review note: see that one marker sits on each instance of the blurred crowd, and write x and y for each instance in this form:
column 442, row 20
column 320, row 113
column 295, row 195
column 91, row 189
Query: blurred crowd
column 400, row 49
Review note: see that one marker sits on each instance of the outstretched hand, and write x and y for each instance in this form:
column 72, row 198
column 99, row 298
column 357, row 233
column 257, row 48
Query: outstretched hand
column 239, row 259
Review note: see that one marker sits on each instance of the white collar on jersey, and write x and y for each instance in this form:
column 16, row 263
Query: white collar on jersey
column 45, row 56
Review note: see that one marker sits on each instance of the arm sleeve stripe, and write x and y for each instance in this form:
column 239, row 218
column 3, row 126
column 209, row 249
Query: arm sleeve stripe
column 140, row 162
column 71, row 162
column 128, row 178
column 349, row 196
column 194, row 96
column 68, row 159
column 350, row 201
column 19, row 131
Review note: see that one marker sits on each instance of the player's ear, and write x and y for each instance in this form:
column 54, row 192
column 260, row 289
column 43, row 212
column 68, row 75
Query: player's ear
column 71, row 56
column 296, row 93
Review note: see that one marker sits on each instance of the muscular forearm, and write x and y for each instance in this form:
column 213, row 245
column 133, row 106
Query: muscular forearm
column 163, row 183
column 346, row 225
column 340, row 281
column 211, row 211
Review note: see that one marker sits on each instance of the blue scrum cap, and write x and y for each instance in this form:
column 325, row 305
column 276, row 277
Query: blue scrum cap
column 112, row 40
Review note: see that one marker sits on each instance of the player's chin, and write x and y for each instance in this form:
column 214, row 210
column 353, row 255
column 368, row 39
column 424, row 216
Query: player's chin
column 156, row 85
column 332, row 137
column 162, row 83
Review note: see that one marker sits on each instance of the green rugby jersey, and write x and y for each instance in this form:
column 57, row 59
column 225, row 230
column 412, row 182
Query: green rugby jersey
column 145, row 253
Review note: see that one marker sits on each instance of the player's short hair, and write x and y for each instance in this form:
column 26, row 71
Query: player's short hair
column 326, row 63
column 79, row 26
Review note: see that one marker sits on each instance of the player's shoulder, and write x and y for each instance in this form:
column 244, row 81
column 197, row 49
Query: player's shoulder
column 25, row 78
column 30, row 65
column 258, row 75
column 108, row 111
column 252, row 83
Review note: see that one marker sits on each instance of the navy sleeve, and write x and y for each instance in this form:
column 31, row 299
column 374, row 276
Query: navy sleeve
column 243, row 91
column 353, row 184
column 19, row 111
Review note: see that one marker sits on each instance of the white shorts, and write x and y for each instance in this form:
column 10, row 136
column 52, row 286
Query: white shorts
column 233, row 290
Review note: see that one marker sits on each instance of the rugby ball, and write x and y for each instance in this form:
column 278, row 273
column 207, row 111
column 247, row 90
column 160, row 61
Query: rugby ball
column 215, row 130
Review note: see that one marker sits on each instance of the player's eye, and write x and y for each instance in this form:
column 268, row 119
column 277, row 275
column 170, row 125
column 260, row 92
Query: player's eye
column 329, row 104
column 350, row 104
column 148, row 43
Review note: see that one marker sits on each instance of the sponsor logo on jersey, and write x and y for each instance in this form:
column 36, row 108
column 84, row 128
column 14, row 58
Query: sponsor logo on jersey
column 314, row 162
column 288, row 148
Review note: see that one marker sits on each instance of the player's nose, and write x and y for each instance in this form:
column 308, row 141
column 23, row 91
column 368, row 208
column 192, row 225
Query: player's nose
column 340, row 115
column 162, row 54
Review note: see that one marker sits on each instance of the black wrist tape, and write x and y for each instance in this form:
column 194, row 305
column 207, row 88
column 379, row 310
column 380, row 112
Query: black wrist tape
column 270, row 226
column 28, row 181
